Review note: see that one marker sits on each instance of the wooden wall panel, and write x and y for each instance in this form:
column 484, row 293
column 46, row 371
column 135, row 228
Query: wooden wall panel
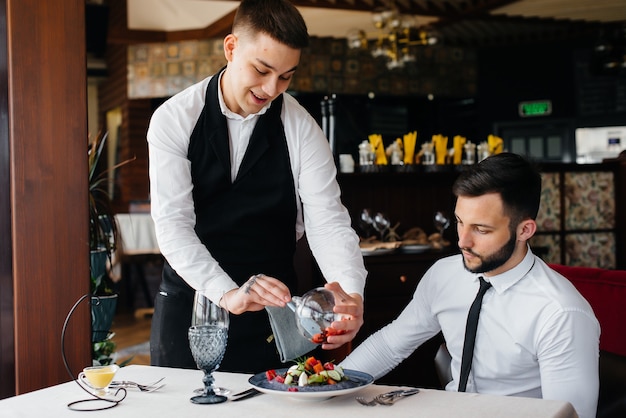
column 47, row 124
column 131, row 180
column 7, row 361
column 136, row 182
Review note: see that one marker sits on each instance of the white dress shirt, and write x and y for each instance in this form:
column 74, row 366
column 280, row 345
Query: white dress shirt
column 537, row 336
column 333, row 242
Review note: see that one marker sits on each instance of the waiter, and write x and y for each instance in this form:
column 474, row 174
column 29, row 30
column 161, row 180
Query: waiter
column 237, row 169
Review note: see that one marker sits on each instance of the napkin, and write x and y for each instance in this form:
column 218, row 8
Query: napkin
column 379, row 150
column 440, row 143
column 409, row 147
column 289, row 342
column 459, row 143
column 495, row 144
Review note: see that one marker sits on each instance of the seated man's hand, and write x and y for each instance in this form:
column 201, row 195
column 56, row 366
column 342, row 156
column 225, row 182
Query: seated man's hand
column 350, row 308
column 255, row 294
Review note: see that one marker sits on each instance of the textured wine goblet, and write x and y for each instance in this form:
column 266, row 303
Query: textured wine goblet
column 208, row 345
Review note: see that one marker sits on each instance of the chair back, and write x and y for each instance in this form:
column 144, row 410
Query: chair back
column 605, row 290
column 442, row 365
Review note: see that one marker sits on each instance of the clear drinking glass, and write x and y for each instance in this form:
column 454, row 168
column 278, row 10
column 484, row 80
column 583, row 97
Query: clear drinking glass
column 208, row 336
column 314, row 311
column 442, row 222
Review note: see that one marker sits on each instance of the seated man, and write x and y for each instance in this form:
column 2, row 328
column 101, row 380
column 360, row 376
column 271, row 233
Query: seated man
column 536, row 337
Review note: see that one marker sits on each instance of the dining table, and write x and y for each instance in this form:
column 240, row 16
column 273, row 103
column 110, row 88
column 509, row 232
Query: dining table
column 173, row 400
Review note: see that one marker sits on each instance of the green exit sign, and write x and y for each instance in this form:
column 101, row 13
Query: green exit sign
column 536, row 108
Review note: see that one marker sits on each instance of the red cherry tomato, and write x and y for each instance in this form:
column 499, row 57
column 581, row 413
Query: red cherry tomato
column 270, row 375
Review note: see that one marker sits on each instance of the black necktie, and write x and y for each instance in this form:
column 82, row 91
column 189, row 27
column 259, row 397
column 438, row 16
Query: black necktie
column 470, row 334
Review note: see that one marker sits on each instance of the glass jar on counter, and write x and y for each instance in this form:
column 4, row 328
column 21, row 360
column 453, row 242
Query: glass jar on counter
column 346, row 163
column 428, row 154
column 470, row 154
column 483, row 151
column 366, row 154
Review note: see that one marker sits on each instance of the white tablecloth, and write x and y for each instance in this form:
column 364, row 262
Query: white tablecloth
column 173, row 401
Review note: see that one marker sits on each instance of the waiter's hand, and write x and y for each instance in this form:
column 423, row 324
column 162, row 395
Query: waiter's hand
column 255, row 294
column 350, row 307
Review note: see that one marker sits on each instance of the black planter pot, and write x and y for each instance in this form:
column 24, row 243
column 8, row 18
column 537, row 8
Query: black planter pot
column 102, row 307
column 102, row 313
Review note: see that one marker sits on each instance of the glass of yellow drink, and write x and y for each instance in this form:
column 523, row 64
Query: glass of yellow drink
column 98, row 378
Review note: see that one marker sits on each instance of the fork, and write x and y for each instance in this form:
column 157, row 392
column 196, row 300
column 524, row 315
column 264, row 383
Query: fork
column 365, row 402
column 151, row 387
column 390, row 400
column 374, row 401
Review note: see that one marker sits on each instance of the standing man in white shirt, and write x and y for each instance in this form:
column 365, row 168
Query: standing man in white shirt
column 237, row 170
column 536, row 335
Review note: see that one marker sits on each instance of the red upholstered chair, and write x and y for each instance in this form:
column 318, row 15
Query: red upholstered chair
column 605, row 290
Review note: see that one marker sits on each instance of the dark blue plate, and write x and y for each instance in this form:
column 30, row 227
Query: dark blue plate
column 356, row 381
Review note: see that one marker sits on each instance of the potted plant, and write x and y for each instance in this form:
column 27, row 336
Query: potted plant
column 103, row 239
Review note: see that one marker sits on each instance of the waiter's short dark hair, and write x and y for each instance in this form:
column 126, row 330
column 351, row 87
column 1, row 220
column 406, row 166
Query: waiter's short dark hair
column 279, row 19
column 516, row 179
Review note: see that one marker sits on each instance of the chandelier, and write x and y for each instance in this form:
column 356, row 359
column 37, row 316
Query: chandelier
column 396, row 34
column 609, row 53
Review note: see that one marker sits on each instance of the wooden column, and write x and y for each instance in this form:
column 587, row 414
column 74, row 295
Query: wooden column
column 44, row 264
column 7, row 363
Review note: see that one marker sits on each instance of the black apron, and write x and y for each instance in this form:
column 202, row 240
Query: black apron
column 247, row 225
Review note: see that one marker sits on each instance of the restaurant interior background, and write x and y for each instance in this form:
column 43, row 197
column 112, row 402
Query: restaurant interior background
column 492, row 55
column 492, row 61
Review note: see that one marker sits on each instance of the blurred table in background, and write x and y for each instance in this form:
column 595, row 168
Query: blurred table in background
column 137, row 233
column 138, row 247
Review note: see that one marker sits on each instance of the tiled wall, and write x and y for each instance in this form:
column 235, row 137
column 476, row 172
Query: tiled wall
column 327, row 66
column 164, row 69
column 577, row 218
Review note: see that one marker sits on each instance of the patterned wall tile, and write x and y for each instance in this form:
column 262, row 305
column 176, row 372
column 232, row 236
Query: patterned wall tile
column 548, row 247
column 589, row 200
column 549, row 216
column 163, row 69
column 590, row 249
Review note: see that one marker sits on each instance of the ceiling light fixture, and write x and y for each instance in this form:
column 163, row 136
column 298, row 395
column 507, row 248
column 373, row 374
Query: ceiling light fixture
column 396, row 34
column 609, row 53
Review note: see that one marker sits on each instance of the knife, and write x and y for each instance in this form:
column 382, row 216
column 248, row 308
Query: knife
column 250, row 393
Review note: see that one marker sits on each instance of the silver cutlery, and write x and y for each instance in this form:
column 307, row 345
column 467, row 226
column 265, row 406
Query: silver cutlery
column 151, row 387
column 374, row 401
column 388, row 398
column 365, row 402
column 246, row 394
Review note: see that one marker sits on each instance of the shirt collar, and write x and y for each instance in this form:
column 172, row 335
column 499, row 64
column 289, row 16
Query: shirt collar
column 503, row 281
column 229, row 113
